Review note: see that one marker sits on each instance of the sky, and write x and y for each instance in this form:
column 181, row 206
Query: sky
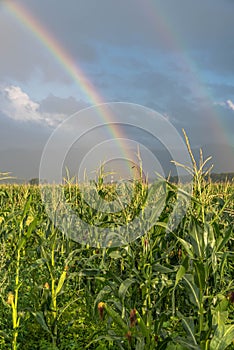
column 175, row 57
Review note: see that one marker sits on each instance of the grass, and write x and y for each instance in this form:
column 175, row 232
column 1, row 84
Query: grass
column 167, row 289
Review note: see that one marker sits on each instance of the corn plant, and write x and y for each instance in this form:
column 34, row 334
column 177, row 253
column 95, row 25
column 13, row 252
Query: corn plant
column 168, row 289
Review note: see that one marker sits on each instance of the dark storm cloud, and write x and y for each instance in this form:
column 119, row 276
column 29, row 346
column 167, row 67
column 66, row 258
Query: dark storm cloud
column 20, row 134
column 86, row 29
column 173, row 56
column 18, row 55
column 134, row 22
column 23, row 55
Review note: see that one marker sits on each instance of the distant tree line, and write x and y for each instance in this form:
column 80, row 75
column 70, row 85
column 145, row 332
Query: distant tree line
column 36, row 181
column 222, row 177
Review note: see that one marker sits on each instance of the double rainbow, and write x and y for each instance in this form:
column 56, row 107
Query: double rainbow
column 75, row 72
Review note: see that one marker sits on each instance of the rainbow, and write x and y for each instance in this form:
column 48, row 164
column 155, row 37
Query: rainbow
column 159, row 20
column 53, row 46
column 171, row 39
column 29, row 21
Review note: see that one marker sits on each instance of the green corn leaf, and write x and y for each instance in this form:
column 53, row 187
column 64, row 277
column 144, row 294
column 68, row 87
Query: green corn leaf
column 124, row 287
column 193, row 288
column 24, row 239
column 189, row 327
column 89, row 272
column 187, row 246
column 186, row 343
column 25, row 211
column 102, row 295
column 182, row 270
column 196, row 237
column 223, row 241
column 116, row 318
column 173, row 346
column 199, row 276
column 226, row 204
column 41, row 320
column 162, row 269
column 101, row 338
column 219, row 318
column 220, row 313
column 157, row 209
column 209, row 237
column 222, row 338
column 143, row 327
column 61, row 282
column 140, row 345
column 115, row 255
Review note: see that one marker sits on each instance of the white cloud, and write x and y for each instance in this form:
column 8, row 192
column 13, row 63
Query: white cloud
column 227, row 104
column 17, row 105
column 230, row 104
column 222, row 104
